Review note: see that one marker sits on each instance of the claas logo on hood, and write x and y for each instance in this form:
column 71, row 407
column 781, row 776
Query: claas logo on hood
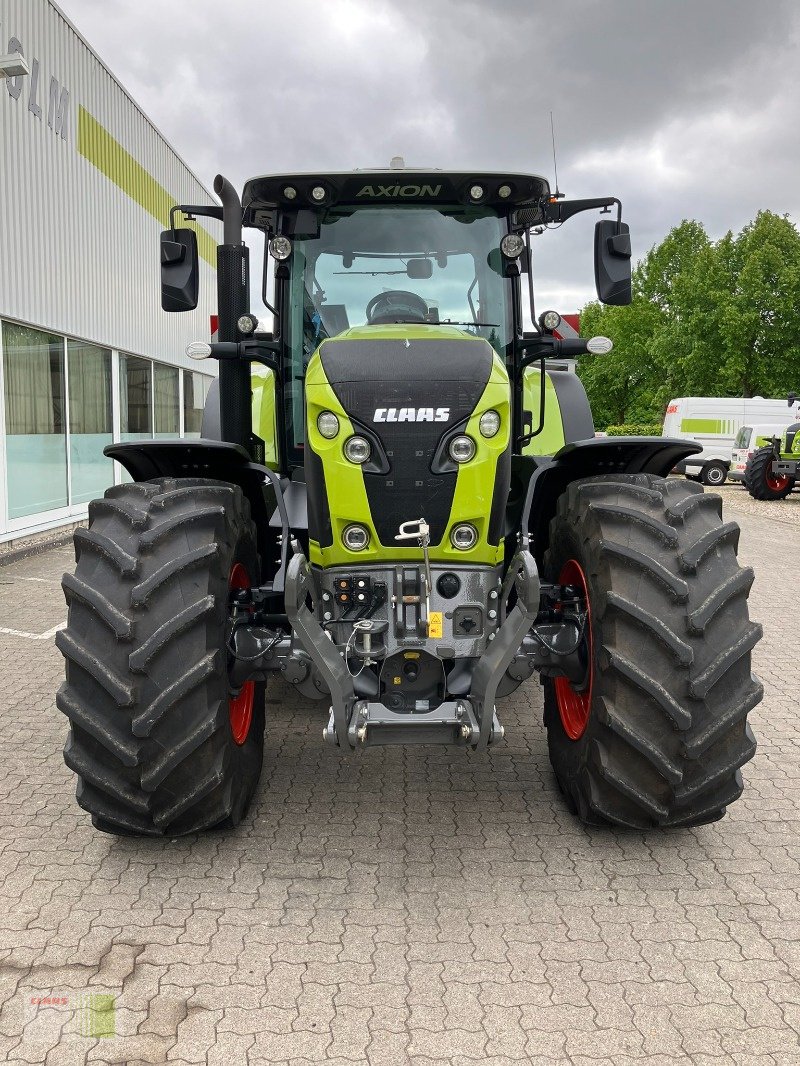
column 411, row 414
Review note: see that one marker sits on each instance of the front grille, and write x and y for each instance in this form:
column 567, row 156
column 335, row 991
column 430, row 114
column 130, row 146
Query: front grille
column 383, row 374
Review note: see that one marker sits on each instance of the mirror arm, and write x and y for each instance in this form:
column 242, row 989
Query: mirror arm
column 526, row 438
column 529, row 253
column 537, row 348
column 561, row 210
column 264, row 299
column 252, row 351
column 265, row 352
column 208, row 210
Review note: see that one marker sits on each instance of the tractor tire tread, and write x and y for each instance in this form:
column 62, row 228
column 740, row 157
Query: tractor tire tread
column 75, row 589
column 655, row 570
column 694, row 554
column 92, row 540
column 741, row 581
column 694, row 501
column 682, row 651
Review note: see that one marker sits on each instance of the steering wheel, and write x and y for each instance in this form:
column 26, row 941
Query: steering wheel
column 396, row 306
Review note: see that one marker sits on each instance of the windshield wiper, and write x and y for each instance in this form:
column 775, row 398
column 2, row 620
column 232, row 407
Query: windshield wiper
column 450, row 322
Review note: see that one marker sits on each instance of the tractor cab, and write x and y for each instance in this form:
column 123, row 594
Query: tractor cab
column 390, row 248
column 413, row 248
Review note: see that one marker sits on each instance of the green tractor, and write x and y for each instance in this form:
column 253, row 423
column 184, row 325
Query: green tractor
column 399, row 507
column 772, row 471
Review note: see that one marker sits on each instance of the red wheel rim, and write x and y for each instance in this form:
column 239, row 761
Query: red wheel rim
column 777, row 482
column 240, row 707
column 574, row 707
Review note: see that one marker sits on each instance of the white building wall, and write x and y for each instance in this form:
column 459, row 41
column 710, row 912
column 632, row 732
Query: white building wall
column 78, row 253
column 85, row 179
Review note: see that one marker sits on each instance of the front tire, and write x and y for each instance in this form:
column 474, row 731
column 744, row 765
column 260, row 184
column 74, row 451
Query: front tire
column 657, row 734
column 760, row 481
column 159, row 741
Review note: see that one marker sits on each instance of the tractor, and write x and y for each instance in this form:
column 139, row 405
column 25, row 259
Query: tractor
column 772, row 471
column 399, row 508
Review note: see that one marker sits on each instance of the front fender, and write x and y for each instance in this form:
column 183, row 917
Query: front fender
column 219, row 461
column 592, row 458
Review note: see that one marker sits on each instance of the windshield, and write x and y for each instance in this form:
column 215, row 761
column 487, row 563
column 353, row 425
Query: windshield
column 742, row 437
column 377, row 265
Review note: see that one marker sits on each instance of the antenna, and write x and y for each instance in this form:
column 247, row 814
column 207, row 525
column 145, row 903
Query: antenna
column 558, row 195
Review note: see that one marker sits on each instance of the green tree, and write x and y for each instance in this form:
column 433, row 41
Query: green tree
column 657, row 275
column 707, row 319
column 619, row 384
column 758, row 311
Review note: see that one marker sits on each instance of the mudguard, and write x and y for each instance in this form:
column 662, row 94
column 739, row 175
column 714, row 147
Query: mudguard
column 590, row 458
column 220, row 461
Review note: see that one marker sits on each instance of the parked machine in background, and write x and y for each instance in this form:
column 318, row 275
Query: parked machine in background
column 713, row 423
column 772, row 471
column 403, row 517
column 748, row 441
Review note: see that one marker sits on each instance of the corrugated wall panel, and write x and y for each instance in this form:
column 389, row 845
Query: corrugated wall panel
column 79, row 254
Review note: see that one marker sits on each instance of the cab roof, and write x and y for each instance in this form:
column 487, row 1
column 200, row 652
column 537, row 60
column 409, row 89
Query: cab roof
column 499, row 189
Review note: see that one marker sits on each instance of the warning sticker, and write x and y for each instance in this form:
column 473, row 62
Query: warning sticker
column 435, row 625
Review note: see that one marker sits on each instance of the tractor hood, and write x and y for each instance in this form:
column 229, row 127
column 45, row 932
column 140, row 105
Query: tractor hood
column 408, row 389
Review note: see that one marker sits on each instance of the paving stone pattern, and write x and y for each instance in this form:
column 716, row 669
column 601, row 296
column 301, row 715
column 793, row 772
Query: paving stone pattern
column 418, row 906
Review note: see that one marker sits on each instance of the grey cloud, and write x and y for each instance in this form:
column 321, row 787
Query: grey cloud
column 682, row 108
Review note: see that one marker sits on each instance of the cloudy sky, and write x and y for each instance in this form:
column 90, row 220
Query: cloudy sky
column 682, row 108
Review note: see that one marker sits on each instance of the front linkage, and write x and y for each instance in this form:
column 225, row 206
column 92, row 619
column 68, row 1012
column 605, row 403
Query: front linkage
column 544, row 630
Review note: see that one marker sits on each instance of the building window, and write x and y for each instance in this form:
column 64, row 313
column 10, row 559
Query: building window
column 195, row 391
column 166, row 400
column 136, row 397
column 90, row 425
column 36, row 444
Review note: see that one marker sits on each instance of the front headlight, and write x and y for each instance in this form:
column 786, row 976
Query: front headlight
column 357, row 449
column 356, row 538
column 489, row 423
column 461, row 449
column 327, row 424
column 280, row 248
column 464, row 536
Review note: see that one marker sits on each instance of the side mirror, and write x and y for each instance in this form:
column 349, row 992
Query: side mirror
column 612, row 262
column 180, row 272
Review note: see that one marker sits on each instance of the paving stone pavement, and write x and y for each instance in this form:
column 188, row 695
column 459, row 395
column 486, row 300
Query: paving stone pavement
column 416, row 906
